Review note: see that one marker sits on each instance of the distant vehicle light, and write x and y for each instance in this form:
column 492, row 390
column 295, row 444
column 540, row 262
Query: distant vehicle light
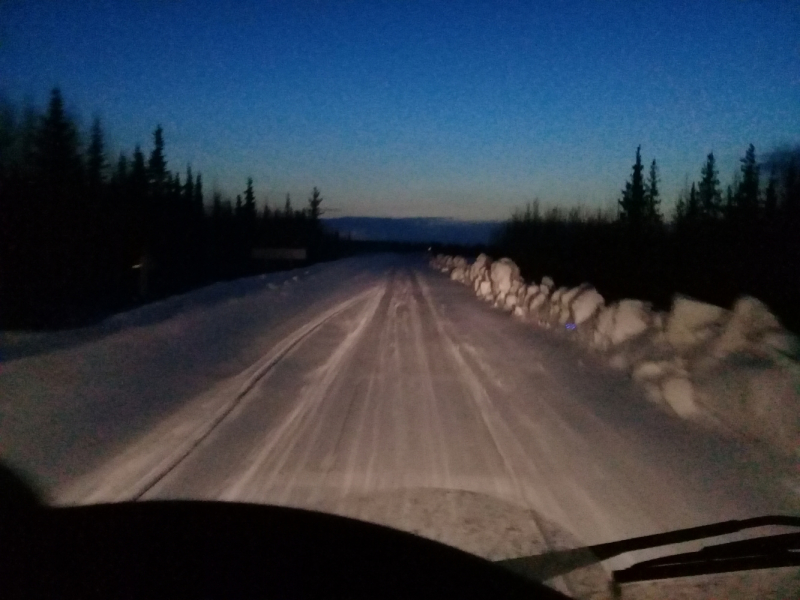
column 137, row 266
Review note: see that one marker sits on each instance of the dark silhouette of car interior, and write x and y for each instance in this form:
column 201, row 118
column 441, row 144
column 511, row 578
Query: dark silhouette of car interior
column 191, row 549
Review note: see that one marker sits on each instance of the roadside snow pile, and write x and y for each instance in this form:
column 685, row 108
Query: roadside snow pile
column 736, row 368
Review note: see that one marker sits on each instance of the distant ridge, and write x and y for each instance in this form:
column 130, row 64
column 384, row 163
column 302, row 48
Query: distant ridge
column 415, row 229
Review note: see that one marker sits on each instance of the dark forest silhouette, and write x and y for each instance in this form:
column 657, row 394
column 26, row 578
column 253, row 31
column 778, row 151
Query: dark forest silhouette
column 80, row 237
column 745, row 240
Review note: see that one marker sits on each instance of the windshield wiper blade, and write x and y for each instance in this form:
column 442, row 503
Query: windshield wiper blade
column 559, row 562
column 769, row 552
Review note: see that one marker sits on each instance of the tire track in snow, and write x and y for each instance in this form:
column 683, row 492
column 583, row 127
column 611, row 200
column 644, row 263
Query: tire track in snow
column 358, row 410
column 501, row 436
column 436, row 436
column 394, row 418
column 137, row 470
column 506, row 444
column 249, row 485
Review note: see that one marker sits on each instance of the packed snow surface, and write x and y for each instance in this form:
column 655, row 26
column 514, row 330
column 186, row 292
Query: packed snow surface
column 365, row 378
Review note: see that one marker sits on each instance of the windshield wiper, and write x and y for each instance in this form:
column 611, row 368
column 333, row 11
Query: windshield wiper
column 764, row 552
column 768, row 552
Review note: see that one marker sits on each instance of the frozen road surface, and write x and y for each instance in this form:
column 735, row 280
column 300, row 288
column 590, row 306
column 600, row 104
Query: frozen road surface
column 373, row 387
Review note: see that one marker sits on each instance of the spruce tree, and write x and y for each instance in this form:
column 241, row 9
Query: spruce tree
column 197, row 200
column 120, row 176
column 175, row 188
column 747, row 197
column 188, row 187
column 632, row 204
column 139, row 187
column 681, row 208
column 730, row 203
column 652, row 196
column 61, row 226
column 138, row 180
column 287, row 208
column 708, row 193
column 249, row 207
column 56, row 155
column 693, row 209
column 313, row 204
column 157, row 166
column 95, row 157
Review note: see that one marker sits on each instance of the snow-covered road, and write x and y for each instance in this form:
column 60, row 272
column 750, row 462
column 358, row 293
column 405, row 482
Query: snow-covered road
column 368, row 378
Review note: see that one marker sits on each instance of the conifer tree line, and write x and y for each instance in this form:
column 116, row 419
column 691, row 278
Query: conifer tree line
column 82, row 233
column 721, row 242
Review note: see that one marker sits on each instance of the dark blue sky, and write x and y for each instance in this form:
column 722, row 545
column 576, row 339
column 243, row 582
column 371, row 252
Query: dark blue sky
column 463, row 109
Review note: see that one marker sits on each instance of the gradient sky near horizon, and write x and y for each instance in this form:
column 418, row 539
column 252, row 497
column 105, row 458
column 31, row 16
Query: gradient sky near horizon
column 407, row 108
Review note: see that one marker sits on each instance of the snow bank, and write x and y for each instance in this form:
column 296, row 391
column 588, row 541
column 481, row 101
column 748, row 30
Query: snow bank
column 738, row 368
